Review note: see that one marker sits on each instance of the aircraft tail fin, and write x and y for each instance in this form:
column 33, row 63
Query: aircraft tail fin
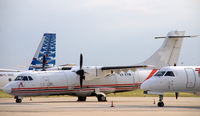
column 46, row 47
column 168, row 53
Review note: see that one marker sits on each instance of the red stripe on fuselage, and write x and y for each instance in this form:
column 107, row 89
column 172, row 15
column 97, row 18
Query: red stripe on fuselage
column 151, row 74
column 198, row 70
column 38, row 89
column 75, row 86
column 48, row 91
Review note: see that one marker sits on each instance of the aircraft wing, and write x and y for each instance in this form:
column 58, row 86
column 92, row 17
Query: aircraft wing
column 118, row 69
column 103, row 71
column 10, row 70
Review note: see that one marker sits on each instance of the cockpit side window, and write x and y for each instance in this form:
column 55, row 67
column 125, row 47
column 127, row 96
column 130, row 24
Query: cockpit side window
column 18, row 78
column 160, row 73
column 23, row 78
column 170, row 73
column 30, row 78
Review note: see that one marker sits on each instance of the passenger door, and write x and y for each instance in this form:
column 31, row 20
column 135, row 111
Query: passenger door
column 191, row 78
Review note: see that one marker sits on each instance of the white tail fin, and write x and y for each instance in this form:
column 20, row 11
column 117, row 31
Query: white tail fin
column 168, row 53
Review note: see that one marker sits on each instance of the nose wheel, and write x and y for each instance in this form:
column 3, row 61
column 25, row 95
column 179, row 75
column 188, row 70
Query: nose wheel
column 18, row 99
column 160, row 103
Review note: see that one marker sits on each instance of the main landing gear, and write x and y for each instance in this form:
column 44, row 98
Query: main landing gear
column 18, row 99
column 160, row 103
column 101, row 98
column 81, row 99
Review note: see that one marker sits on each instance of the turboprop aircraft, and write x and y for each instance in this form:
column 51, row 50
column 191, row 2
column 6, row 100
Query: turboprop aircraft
column 173, row 79
column 83, row 81
column 47, row 46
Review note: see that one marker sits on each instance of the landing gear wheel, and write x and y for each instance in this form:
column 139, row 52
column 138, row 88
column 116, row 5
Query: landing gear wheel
column 160, row 104
column 82, row 99
column 18, row 100
column 101, row 98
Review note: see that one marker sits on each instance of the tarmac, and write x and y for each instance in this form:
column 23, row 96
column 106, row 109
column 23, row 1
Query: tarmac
column 123, row 106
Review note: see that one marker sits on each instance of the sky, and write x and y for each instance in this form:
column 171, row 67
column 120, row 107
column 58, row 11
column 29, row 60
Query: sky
column 107, row 32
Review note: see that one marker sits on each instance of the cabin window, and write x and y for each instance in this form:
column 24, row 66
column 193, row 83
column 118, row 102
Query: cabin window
column 160, row 73
column 18, row 78
column 170, row 73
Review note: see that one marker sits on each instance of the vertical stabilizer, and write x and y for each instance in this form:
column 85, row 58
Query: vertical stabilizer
column 168, row 53
column 46, row 47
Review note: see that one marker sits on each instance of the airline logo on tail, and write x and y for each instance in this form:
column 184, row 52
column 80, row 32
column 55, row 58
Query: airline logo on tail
column 47, row 47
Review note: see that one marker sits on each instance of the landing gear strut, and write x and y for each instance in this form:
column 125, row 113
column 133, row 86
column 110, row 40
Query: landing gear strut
column 101, row 98
column 18, row 99
column 160, row 103
column 82, row 99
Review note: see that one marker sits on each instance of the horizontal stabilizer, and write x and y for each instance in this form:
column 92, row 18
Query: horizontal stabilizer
column 168, row 53
column 187, row 36
column 9, row 70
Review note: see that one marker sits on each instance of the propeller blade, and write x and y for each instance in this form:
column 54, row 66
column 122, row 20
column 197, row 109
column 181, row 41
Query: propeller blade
column 176, row 94
column 82, row 77
column 81, row 82
column 81, row 61
column 81, row 72
column 43, row 63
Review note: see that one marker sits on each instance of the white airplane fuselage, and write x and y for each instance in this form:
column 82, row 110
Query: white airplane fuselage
column 67, row 83
column 185, row 79
column 96, row 80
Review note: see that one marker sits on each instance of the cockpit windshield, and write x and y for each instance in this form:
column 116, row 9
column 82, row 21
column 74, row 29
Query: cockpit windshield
column 170, row 73
column 160, row 73
column 23, row 78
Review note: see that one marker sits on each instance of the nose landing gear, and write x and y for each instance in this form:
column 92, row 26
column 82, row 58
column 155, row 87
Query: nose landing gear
column 18, row 99
column 160, row 103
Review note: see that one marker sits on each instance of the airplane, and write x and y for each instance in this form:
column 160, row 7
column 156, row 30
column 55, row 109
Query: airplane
column 173, row 79
column 83, row 81
column 47, row 47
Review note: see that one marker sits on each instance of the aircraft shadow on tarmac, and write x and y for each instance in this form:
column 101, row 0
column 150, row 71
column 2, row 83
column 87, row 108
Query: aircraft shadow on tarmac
column 31, row 102
column 155, row 106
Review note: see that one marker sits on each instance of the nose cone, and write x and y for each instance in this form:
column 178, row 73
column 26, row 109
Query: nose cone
column 7, row 89
column 145, row 86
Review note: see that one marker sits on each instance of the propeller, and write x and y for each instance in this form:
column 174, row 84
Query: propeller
column 81, row 72
column 176, row 94
column 43, row 63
